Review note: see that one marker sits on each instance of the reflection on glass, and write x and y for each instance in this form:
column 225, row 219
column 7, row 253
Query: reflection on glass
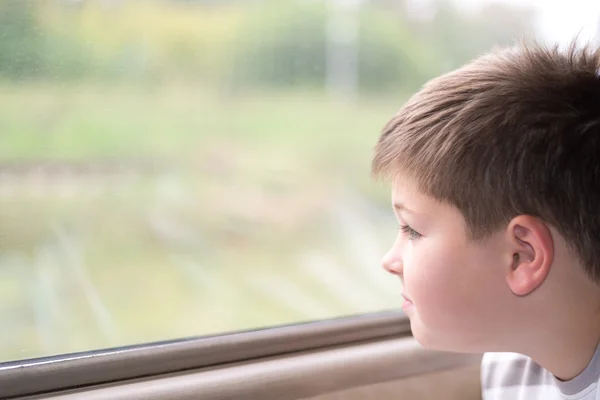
column 179, row 168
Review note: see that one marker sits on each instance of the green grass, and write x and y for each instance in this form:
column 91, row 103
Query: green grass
column 83, row 122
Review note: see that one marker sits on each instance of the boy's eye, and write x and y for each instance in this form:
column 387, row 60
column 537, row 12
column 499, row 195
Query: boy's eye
column 412, row 234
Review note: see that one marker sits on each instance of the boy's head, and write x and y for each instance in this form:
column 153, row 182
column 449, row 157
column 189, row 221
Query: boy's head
column 495, row 171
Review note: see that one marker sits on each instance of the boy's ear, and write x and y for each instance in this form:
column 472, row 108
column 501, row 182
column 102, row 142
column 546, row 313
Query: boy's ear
column 532, row 254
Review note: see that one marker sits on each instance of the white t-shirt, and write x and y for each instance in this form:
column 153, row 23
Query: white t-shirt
column 512, row 376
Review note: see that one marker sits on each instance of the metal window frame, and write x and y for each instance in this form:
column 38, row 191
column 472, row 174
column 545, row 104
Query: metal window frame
column 48, row 374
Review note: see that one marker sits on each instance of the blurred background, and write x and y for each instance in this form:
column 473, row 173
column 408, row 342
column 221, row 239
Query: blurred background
column 174, row 168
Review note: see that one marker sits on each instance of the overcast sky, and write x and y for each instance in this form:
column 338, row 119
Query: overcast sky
column 559, row 20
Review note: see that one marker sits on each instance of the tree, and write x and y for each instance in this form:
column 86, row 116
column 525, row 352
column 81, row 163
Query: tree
column 21, row 42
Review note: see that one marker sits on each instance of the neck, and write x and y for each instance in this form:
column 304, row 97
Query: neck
column 566, row 331
column 566, row 352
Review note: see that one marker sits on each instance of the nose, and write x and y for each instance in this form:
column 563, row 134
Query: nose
column 392, row 262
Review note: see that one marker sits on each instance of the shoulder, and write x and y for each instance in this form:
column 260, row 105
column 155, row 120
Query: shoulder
column 503, row 373
column 505, row 369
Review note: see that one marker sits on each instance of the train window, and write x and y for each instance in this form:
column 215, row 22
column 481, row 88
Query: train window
column 175, row 168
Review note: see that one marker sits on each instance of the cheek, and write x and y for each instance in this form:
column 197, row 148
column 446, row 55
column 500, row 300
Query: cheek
column 457, row 303
column 434, row 279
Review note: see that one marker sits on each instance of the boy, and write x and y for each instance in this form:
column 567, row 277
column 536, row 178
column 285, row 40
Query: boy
column 495, row 172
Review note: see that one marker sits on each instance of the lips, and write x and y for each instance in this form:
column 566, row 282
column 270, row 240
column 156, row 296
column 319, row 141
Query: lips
column 407, row 303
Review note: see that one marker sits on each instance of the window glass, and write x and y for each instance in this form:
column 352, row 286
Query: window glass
column 178, row 168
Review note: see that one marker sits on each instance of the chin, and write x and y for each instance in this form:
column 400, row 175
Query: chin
column 442, row 342
column 439, row 345
column 430, row 344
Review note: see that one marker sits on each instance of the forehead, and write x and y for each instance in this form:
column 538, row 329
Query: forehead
column 406, row 194
column 405, row 191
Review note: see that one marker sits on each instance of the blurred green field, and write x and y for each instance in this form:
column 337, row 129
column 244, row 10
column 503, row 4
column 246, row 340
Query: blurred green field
column 75, row 122
column 223, row 235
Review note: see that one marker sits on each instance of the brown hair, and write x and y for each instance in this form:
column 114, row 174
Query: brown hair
column 516, row 131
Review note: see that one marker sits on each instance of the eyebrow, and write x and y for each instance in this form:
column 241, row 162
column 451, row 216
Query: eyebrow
column 401, row 207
